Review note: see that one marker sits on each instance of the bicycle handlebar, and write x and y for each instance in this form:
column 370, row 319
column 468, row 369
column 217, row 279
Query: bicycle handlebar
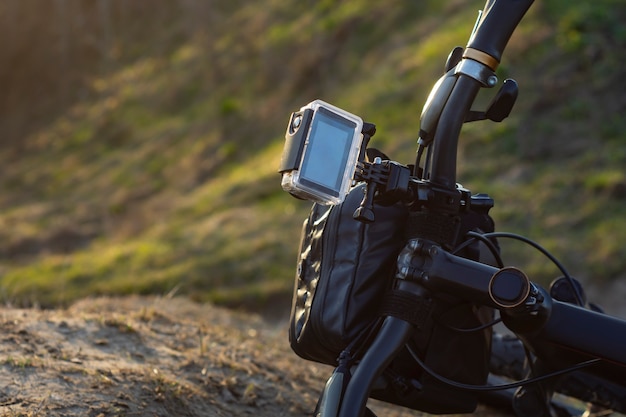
column 486, row 44
column 445, row 144
column 496, row 25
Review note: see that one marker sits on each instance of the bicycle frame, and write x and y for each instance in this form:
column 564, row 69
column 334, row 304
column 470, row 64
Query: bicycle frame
column 559, row 334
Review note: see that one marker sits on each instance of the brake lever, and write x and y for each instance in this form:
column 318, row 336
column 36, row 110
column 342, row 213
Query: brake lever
column 500, row 106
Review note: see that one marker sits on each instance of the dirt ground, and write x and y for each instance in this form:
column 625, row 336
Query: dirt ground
column 149, row 356
column 152, row 357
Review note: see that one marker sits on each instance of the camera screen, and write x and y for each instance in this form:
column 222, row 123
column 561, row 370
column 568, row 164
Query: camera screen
column 328, row 150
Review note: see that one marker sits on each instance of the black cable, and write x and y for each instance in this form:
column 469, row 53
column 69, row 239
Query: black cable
column 426, row 173
column 495, row 251
column 486, row 388
column 441, row 321
column 479, row 236
column 472, row 329
column 531, row 243
column 418, row 159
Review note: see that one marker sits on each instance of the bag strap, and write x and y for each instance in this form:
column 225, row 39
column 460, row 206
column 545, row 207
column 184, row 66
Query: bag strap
column 407, row 306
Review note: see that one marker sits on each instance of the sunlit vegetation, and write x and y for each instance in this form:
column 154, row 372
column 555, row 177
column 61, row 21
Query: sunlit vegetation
column 139, row 140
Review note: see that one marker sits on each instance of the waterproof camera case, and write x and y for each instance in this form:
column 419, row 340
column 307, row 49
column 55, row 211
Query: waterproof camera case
column 322, row 145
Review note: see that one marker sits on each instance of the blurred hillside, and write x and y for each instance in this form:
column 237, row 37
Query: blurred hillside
column 139, row 140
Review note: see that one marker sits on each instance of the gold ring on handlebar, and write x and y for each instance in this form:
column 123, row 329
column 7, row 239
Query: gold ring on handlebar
column 509, row 287
column 481, row 57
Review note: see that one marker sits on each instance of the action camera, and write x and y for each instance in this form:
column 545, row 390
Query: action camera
column 322, row 145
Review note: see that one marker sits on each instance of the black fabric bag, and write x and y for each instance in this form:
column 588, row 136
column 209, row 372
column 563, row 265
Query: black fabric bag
column 344, row 269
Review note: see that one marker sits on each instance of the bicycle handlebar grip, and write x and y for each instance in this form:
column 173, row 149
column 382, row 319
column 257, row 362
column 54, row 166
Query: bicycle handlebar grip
column 496, row 25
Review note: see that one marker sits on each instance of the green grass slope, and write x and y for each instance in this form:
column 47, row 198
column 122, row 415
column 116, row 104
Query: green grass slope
column 160, row 176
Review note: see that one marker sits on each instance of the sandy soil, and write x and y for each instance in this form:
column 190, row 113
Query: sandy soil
column 147, row 356
column 152, row 357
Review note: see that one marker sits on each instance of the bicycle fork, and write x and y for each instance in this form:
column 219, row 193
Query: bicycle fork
column 345, row 394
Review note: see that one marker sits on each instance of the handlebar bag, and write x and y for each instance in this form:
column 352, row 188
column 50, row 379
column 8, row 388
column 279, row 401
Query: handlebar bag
column 344, row 268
